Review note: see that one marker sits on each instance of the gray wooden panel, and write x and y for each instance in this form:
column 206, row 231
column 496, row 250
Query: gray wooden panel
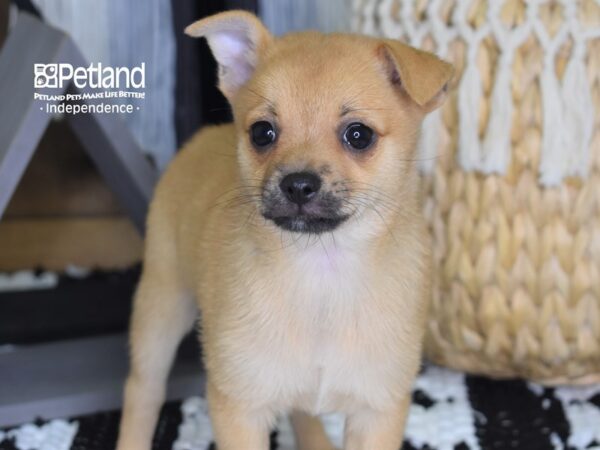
column 22, row 123
column 76, row 377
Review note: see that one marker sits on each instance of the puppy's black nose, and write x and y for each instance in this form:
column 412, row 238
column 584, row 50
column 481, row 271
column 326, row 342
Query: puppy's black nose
column 300, row 187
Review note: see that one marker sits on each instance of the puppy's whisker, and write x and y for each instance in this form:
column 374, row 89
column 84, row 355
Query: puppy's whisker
column 372, row 188
column 308, row 241
column 426, row 158
column 367, row 203
column 372, row 207
column 325, row 249
column 234, row 202
column 234, row 195
column 382, row 203
column 241, row 204
column 375, row 196
column 250, row 217
column 333, row 240
column 269, row 102
column 239, row 188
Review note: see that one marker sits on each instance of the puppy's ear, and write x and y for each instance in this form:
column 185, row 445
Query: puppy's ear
column 422, row 75
column 237, row 39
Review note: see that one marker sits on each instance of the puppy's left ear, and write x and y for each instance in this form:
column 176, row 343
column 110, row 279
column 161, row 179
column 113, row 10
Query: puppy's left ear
column 423, row 76
column 237, row 40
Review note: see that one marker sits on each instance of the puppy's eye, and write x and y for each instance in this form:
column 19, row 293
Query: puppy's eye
column 358, row 136
column 262, row 134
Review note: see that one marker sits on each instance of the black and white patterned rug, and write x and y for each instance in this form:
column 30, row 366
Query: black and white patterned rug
column 450, row 411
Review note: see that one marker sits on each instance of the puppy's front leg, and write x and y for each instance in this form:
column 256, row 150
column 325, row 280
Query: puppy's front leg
column 381, row 430
column 163, row 313
column 235, row 426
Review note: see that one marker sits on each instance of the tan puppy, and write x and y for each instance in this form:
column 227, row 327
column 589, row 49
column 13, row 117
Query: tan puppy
column 297, row 233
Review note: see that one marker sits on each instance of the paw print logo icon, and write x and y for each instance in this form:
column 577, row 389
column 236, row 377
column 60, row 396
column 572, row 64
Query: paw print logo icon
column 45, row 75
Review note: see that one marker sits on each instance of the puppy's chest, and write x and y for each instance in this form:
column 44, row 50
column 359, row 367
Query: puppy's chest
column 323, row 339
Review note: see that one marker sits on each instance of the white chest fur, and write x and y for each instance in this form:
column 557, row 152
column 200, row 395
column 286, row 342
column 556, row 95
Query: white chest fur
column 325, row 337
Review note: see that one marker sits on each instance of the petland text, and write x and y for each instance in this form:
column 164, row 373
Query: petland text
column 95, row 76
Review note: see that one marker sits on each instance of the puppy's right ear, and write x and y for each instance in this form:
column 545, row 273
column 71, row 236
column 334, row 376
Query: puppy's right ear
column 237, row 40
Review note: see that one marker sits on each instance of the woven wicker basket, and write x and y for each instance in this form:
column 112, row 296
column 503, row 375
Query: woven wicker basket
column 512, row 177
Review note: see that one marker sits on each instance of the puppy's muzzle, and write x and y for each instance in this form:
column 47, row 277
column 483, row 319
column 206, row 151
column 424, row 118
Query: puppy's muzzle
column 301, row 205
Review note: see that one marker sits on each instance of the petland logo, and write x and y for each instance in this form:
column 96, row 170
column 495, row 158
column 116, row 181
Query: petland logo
column 98, row 89
column 94, row 76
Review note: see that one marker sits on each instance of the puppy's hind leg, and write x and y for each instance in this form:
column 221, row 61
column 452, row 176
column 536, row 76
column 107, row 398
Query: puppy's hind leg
column 163, row 313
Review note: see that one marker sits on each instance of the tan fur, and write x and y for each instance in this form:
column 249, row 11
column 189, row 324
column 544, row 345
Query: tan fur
column 313, row 323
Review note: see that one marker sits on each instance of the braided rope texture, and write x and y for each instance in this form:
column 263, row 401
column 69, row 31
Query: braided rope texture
column 511, row 174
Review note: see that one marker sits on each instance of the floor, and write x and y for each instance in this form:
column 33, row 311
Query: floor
column 450, row 411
